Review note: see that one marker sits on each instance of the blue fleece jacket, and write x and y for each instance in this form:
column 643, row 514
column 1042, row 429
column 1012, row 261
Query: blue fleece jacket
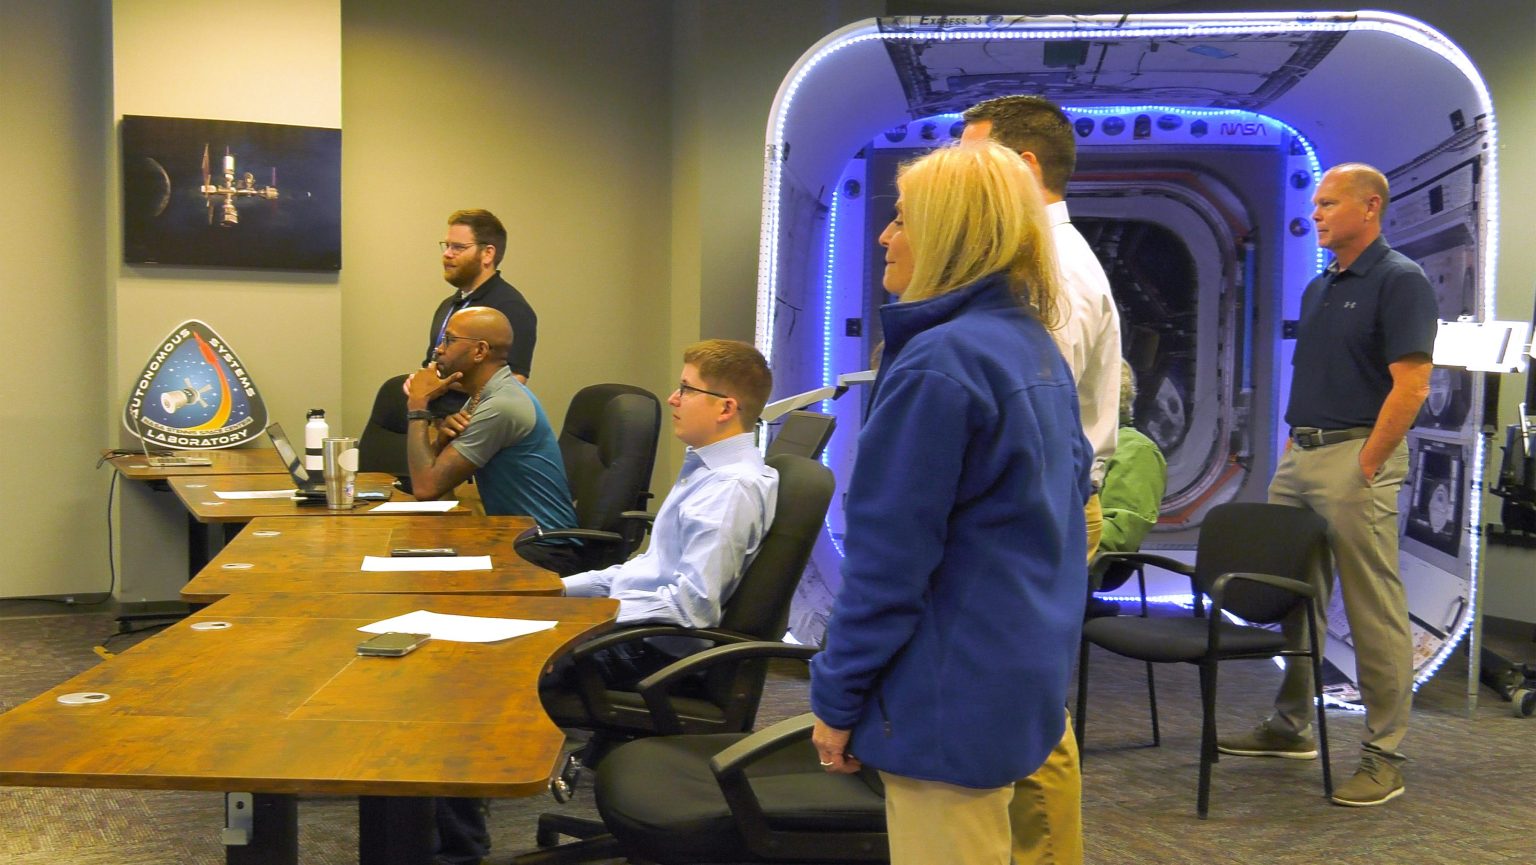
column 950, row 642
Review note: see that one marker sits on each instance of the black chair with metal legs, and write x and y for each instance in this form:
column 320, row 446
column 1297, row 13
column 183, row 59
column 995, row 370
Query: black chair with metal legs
column 1252, row 562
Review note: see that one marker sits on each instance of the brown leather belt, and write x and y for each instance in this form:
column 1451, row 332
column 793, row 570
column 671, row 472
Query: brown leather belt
column 1308, row 437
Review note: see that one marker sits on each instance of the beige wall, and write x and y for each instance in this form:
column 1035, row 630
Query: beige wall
column 169, row 62
column 552, row 116
column 728, row 60
column 53, row 310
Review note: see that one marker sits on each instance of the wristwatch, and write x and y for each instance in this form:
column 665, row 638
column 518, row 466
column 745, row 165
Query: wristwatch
column 418, row 414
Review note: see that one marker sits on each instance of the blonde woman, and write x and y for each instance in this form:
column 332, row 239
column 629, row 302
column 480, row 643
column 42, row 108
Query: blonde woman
column 948, row 651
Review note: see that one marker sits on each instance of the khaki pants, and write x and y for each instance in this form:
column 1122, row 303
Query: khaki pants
column 1362, row 535
column 1036, row 821
column 1093, row 514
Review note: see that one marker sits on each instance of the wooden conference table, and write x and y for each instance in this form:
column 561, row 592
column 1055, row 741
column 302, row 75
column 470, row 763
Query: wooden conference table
column 209, row 517
column 278, row 703
column 200, row 495
column 296, row 554
column 230, row 461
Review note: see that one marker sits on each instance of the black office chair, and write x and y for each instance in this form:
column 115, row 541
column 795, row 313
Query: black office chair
column 382, row 445
column 729, row 797
column 713, row 691
column 1252, row 561
column 608, row 445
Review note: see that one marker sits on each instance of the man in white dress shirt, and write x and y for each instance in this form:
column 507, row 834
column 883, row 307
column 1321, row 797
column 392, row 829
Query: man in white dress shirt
column 1089, row 338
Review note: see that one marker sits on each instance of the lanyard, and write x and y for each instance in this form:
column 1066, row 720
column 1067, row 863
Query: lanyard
column 442, row 329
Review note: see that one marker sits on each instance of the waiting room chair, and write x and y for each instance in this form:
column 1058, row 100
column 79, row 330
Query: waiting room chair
column 733, row 797
column 1252, row 561
column 713, row 691
column 608, row 444
column 381, row 448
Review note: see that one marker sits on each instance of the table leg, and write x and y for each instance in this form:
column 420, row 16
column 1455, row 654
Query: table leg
column 199, row 546
column 395, row 830
column 267, row 823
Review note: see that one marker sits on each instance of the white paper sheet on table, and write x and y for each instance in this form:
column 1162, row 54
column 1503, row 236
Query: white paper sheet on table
column 256, row 494
column 427, row 563
column 460, row 629
column 414, row 507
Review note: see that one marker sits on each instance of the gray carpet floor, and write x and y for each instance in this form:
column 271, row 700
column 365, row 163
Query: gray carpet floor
column 1469, row 796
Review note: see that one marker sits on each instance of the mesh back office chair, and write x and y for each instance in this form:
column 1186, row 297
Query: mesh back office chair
column 717, row 690
column 382, row 445
column 608, row 445
column 1252, row 560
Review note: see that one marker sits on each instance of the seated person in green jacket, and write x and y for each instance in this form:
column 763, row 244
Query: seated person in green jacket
column 1134, row 480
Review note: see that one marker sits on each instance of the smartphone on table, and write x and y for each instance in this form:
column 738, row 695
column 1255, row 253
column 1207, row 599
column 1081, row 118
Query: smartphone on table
column 391, row 645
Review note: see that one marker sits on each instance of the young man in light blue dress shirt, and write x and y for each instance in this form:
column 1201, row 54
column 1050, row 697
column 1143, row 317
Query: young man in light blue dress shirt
column 712, row 522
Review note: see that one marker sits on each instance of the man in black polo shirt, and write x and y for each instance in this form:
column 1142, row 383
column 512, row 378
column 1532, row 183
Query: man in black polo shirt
column 472, row 252
column 1361, row 371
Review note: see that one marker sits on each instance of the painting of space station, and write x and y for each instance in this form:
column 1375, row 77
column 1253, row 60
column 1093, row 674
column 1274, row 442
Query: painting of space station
column 231, row 194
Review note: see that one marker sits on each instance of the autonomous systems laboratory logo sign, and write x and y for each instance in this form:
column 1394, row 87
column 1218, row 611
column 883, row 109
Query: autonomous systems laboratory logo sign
column 194, row 393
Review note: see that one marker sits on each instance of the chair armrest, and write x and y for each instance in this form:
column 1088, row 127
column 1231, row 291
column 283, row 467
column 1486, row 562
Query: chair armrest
column 1219, row 587
column 639, row 516
column 591, row 536
column 730, row 769
column 1163, row 562
column 641, row 632
column 589, row 684
column 1218, row 595
column 654, row 689
column 1102, row 561
column 734, row 760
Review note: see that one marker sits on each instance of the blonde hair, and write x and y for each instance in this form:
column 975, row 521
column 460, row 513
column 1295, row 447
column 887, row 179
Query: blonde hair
column 974, row 209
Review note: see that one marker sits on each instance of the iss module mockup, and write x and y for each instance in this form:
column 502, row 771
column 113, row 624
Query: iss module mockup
column 1201, row 139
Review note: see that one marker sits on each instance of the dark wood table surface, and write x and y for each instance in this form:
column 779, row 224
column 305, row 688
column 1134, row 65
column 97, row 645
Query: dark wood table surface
column 199, row 494
column 279, row 703
column 230, row 461
column 296, row 554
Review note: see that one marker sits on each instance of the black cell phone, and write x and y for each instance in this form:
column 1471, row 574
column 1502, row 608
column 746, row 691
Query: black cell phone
column 392, row 644
column 421, row 552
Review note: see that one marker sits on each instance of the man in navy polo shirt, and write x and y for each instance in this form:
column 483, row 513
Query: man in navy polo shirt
column 1362, row 366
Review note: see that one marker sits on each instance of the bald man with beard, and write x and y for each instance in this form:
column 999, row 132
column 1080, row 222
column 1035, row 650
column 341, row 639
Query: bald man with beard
column 503, row 438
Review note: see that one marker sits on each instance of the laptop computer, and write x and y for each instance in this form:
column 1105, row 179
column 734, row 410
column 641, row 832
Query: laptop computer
column 167, row 462
column 309, row 486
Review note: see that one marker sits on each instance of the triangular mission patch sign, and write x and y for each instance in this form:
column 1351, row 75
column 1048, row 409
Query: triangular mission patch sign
column 194, row 393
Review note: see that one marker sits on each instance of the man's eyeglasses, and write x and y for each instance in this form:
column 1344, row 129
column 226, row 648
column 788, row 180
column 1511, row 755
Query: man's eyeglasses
column 457, row 248
column 683, row 389
column 448, row 338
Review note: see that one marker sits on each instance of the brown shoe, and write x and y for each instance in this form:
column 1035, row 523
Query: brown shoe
column 1376, row 782
column 1266, row 741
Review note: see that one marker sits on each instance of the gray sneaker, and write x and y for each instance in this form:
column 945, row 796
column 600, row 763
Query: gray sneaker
column 1265, row 741
column 1376, row 782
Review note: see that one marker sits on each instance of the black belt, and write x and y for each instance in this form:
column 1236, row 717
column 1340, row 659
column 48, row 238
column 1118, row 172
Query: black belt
column 1308, row 437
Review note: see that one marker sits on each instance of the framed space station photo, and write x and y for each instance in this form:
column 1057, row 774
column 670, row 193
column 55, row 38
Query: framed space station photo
column 226, row 193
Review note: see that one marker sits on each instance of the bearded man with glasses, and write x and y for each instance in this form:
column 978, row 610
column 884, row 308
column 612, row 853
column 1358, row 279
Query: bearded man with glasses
column 472, row 252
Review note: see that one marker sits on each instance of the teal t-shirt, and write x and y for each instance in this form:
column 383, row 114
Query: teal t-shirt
column 516, row 456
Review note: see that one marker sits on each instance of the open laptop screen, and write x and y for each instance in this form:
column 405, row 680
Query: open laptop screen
column 288, row 455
